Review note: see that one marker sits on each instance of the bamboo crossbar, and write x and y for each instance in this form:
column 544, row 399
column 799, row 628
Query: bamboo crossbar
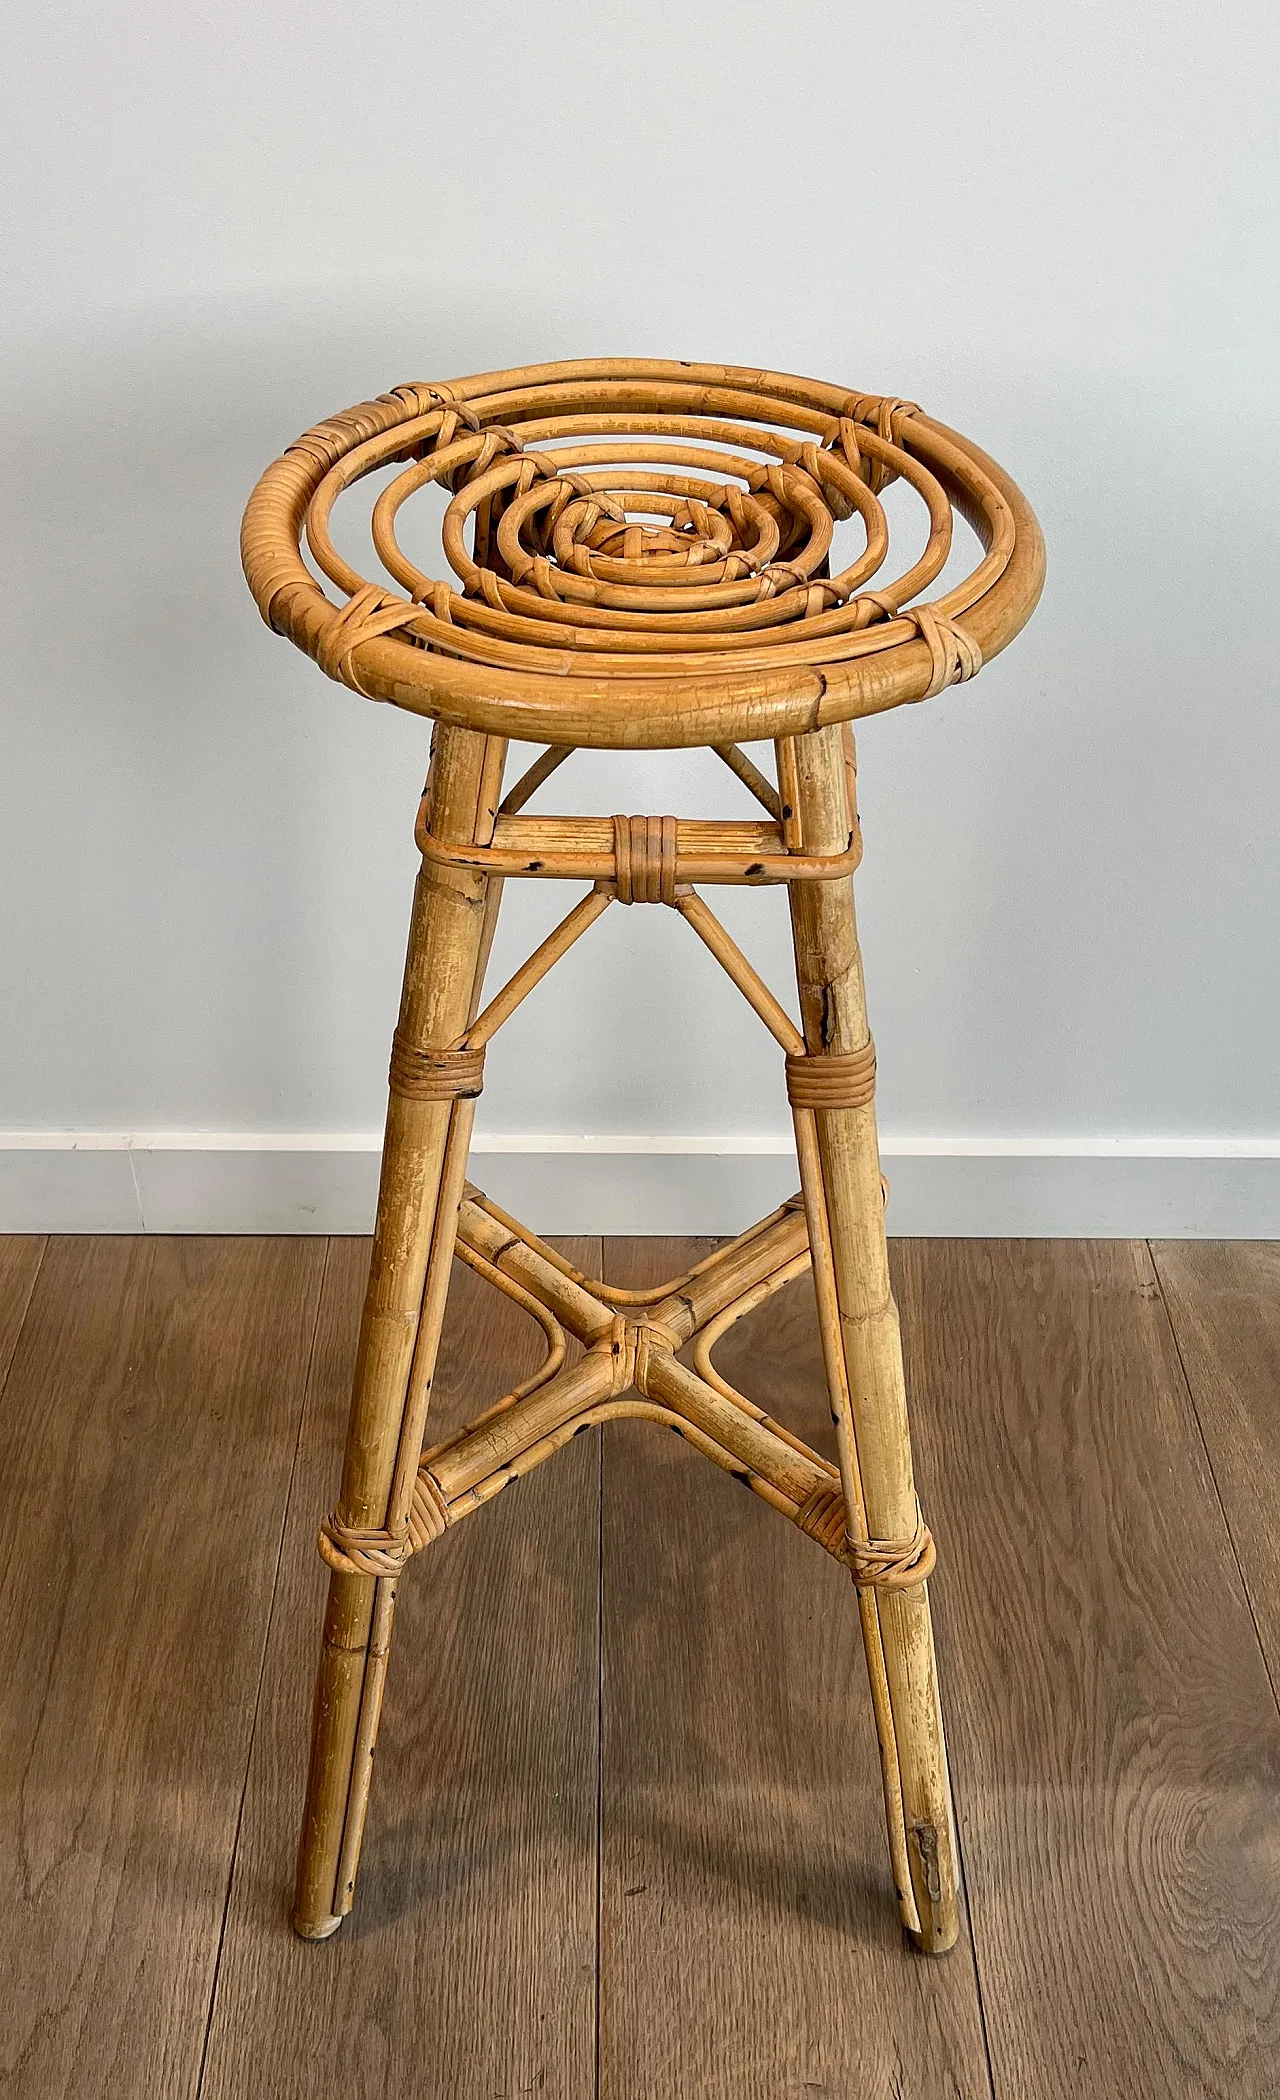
column 478, row 1459
column 526, row 1426
column 583, row 849
column 584, row 1304
column 637, row 554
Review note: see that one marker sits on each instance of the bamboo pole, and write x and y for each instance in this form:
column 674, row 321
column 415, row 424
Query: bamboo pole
column 582, row 849
column 413, row 1222
column 840, row 1169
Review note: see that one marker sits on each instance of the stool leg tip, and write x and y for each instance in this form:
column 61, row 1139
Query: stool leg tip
column 936, row 1935
column 322, row 1928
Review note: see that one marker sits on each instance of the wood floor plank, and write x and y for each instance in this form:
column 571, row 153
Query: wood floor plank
column 1223, row 1298
column 750, row 1943
column 468, row 1964
column 1114, row 1739
column 151, row 1421
column 20, row 1257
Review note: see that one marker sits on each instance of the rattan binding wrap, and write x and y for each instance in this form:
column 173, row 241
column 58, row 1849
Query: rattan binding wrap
column 435, row 1075
column 355, row 1550
column 645, row 857
column 832, row 1082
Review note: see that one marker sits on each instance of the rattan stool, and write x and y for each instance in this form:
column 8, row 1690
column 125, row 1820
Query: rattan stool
column 642, row 554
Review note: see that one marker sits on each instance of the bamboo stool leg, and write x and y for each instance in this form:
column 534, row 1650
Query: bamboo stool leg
column 840, row 1172
column 423, row 1171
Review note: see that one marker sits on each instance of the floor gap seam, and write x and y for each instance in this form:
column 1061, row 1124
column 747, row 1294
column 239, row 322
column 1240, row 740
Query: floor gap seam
column 1208, row 1459
column 286, row 1504
column 979, row 1991
column 26, row 1314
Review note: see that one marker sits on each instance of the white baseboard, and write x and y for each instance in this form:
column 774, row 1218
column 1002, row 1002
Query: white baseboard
column 230, row 1181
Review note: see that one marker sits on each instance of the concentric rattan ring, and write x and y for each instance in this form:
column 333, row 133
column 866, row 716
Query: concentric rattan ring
column 642, row 553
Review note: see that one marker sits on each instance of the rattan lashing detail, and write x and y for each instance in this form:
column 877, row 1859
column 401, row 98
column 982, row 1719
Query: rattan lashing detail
column 645, row 861
column 824, row 1081
column 893, row 1564
column 435, row 1075
column 353, row 1550
column 888, row 1564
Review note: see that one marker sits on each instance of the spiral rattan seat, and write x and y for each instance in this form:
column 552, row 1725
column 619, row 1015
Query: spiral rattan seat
column 637, row 554
column 569, row 620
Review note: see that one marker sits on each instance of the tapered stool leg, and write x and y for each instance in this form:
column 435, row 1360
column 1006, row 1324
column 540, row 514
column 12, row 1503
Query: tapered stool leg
column 423, row 1171
column 840, row 1172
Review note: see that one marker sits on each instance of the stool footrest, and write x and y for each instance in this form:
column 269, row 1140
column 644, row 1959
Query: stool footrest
column 630, row 1369
column 585, row 849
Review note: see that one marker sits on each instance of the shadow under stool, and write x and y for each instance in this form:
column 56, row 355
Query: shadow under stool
column 641, row 555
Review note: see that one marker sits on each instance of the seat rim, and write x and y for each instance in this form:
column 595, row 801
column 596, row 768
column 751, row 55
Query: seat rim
column 609, row 711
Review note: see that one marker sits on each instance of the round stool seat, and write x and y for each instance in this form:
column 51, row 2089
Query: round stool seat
column 642, row 554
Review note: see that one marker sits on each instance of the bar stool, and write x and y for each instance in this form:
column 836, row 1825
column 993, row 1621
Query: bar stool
column 642, row 558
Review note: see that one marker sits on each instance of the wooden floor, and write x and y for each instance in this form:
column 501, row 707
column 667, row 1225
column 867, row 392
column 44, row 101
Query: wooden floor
column 626, row 1836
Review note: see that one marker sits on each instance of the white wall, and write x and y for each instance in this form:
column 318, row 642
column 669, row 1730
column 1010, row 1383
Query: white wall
column 1054, row 227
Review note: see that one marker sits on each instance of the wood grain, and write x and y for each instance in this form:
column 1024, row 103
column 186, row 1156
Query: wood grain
column 1116, row 1745
column 468, row 1963
column 1223, row 1299
column 152, row 1415
column 749, row 1940
column 20, row 1256
column 1115, row 1740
